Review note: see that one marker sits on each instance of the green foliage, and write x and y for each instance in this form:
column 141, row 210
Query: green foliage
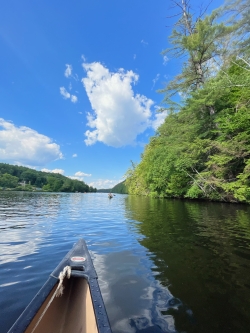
column 196, row 154
column 29, row 176
column 6, row 180
column 200, row 42
column 11, row 175
column 194, row 192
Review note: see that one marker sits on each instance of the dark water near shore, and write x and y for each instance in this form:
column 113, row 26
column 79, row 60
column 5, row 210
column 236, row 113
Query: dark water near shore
column 163, row 265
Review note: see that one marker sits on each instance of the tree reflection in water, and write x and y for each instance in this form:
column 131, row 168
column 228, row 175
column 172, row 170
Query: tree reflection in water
column 201, row 252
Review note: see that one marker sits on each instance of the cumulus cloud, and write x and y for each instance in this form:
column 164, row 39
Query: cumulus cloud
column 74, row 155
column 82, row 174
column 104, row 183
column 67, row 95
column 68, row 70
column 159, row 119
column 73, row 98
column 119, row 114
column 23, row 145
column 61, row 171
column 64, row 93
column 79, row 175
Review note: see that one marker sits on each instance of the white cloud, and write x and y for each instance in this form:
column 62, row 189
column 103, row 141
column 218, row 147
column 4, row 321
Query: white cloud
column 134, row 56
column 82, row 174
column 64, row 93
column 67, row 95
column 155, row 80
column 118, row 114
column 104, row 183
column 165, row 60
column 159, row 119
column 23, row 145
column 73, row 98
column 74, row 155
column 79, row 175
column 68, row 70
column 61, row 171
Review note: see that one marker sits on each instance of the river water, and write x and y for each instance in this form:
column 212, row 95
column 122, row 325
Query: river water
column 163, row 265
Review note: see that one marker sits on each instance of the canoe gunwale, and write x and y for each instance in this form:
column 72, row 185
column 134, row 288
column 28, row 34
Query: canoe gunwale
column 85, row 271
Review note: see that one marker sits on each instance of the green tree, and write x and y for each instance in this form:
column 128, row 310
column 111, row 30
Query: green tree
column 40, row 181
column 68, row 186
column 200, row 41
column 29, row 176
column 6, row 180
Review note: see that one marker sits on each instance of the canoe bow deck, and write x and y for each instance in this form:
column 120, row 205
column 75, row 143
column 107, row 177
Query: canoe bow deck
column 80, row 309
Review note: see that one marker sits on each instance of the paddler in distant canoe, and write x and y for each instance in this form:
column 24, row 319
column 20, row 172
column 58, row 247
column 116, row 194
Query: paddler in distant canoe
column 110, row 195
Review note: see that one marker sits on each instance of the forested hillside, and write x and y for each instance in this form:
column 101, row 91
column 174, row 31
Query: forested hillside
column 26, row 179
column 202, row 150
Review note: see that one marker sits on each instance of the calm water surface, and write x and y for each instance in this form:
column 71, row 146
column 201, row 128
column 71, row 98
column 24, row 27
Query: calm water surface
column 163, row 265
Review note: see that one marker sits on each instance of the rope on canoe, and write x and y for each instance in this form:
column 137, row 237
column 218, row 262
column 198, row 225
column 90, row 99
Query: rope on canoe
column 66, row 272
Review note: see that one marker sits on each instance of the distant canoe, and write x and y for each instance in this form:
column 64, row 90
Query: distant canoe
column 79, row 308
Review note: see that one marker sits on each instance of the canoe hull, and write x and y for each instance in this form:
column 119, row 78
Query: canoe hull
column 79, row 309
column 71, row 312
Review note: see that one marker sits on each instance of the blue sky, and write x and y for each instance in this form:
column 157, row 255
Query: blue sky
column 78, row 83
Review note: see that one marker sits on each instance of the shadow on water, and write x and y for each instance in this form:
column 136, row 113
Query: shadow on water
column 201, row 253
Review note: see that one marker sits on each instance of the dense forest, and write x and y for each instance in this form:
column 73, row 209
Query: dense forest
column 202, row 150
column 119, row 188
column 21, row 178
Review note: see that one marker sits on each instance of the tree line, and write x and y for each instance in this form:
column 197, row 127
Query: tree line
column 23, row 178
column 202, row 150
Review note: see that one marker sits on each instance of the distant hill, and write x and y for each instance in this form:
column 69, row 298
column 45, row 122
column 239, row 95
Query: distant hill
column 119, row 188
column 104, row 190
column 21, row 178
